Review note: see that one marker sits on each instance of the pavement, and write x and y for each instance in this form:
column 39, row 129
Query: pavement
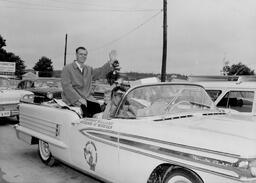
column 20, row 162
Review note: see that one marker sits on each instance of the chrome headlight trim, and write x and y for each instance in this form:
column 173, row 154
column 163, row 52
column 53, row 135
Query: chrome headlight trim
column 28, row 98
column 247, row 167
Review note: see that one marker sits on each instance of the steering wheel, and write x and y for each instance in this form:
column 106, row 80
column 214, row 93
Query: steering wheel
column 159, row 100
column 178, row 103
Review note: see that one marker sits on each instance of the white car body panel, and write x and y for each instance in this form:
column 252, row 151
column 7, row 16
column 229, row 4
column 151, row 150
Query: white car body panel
column 10, row 96
column 9, row 100
column 107, row 154
column 129, row 150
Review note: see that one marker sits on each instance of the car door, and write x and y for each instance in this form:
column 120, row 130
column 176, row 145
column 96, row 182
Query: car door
column 94, row 147
column 135, row 165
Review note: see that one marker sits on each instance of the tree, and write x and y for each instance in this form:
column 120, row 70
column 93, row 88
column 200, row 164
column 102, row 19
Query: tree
column 44, row 66
column 20, row 68
column 11, row 57
column 226, row 68
column 238, row 69
column 2, row 42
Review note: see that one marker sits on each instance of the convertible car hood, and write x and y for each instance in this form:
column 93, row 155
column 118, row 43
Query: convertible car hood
column 12, row 96
column 223, row 133
column 229, row 125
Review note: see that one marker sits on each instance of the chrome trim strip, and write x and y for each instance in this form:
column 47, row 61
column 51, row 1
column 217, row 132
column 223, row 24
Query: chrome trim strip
column 174, row 117
column 41, row 126
column 33, row 117
column 38, row 125
column 181, row 145
column 180, row 155
column 179, row 163
column 45, row 132
column 166, row 143
column 42, row 136
column 110, row 140
column 122, row 142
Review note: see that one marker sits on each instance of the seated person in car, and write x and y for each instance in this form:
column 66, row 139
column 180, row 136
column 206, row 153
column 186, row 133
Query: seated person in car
column 111, row 107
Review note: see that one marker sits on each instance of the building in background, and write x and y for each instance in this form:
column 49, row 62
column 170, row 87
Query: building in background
column 29, row 75
column 7, row 69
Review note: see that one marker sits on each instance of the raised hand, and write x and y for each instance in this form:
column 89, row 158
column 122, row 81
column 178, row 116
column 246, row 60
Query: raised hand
column 112, row 56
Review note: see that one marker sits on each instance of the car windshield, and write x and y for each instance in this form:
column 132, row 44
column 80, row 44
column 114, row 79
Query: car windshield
column 4, row 83
column 166, row 99
column 47, row 84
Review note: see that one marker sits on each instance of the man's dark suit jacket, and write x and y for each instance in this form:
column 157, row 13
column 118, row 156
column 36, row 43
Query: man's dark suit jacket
column 77, row 84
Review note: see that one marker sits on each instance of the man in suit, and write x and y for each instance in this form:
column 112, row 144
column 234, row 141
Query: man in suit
column 77, row 77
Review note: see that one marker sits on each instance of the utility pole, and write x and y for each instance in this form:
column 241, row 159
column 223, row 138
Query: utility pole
column 65, row 52
column 164, row 55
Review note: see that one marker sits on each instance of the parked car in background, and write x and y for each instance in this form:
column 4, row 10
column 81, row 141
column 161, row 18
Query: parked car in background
column 45, row 89
column 235, row 94
column 10, row 98
column 161, row 132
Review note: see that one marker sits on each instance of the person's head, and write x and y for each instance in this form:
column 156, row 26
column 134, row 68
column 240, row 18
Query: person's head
column 81, row 54
column 116, row 94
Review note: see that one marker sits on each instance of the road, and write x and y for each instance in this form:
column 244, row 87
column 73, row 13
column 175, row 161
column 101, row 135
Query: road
column 20, row 163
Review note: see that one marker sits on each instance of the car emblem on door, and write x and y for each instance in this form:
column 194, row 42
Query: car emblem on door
column 90, row 154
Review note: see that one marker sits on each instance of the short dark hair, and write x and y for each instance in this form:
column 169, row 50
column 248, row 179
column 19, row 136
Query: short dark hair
column 80, row 48
column 116, row 89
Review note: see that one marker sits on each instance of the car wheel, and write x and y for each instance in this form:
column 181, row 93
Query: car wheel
column 181, row 176
column 45, row 153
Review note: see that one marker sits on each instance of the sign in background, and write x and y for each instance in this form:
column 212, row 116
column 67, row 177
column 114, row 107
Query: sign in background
column 7, row 66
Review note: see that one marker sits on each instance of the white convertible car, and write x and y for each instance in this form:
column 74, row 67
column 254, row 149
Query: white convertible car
column 173, row 134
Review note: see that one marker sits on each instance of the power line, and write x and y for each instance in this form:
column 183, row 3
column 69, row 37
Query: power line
column 83, row 2
column 78, row 3
column 127, row 33
column 84, row 10
column 63, row 8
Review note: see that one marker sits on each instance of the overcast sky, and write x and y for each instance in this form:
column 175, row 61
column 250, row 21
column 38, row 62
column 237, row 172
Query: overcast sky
column 202, row 34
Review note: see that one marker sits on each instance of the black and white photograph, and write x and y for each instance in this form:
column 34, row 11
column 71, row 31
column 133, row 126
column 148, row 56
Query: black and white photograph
column 127, row 91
